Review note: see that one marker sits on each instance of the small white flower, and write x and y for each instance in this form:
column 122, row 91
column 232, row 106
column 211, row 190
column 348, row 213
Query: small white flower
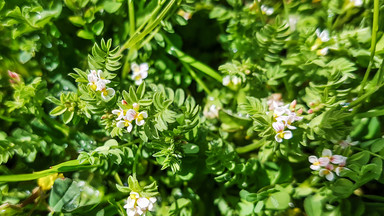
column 137, row 205
column 327, row 173
column 267, row 10
column 280, row 110
column 140, row 118
column 348, row 142
column 323, row 35
column 226, row 80
column 335, row 159
column 280, row 133
column 317, row 163
column 322, row 52
column 139, row 72
column 92, row 80
column 119, row 112
column 357, row 3
column 131, row 115
column 212, row 112
column 236, row 80
column 107, row 93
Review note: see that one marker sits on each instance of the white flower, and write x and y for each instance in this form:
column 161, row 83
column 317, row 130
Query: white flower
column 327, row 173
column 140, row 118
column 125, row 123
column 323, row 35
column 280, row 133
column 226, row 80
column 231, row 80
column 137, row 205
column 267, row 10
column 107, row 94
column 335, row 159
column 212, row 112
column 236, row 80
column 357, row 3
column 119, row 112
column 139, row 72
column 97, row 82
column 318, row 163
column 348, row 142
column 322, row 52
column 280, row 110
column 92, row 80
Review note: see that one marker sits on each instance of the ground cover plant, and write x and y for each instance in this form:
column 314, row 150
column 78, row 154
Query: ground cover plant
column 183, row 107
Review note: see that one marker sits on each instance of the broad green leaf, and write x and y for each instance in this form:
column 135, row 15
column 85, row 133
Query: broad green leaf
column 64, row 194
column 278, row 201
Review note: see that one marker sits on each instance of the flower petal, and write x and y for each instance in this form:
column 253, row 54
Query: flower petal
column 129, row 128
column 120, row 124
column 278, row 138
column 326, row 153
column 143, row 203
column 330, row 176
column 324, row 161
column 313, row 159
column 287, row 134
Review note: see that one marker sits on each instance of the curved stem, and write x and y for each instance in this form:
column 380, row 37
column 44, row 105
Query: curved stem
column 375, row 27
column 134, row 168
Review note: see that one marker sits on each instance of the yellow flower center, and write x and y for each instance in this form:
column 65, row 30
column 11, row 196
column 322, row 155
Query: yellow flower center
column 93, row 86
column 104, row 92
column 316, row 163
column 281, row 135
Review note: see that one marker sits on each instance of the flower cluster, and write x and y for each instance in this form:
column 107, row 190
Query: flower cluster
column 128, row 114
column 97, row 82
column 137, row 205
column 327, row 164
column 139, row 72
column 283, row 119
column 231, row 80
column 322, row 37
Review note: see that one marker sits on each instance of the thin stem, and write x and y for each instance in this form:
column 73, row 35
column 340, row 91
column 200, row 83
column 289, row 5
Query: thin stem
column 371, row 153
column 134, row 168
column 118, row 180
column 259, row 11
column 375, row 27
column 134, row 39
column 191, row 61
column 249, row 148
column 197, row 79
column 131, row 11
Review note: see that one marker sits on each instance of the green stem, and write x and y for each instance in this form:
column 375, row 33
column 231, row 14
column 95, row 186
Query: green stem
column 118, row 180
column 131, row 11
column 375, row 27
column 191, row 61
column 259, row 11
column 68, row 166
column 197, row 79
column 134, row 39
column 250, row 147
column 371, row 153
column 134, row 168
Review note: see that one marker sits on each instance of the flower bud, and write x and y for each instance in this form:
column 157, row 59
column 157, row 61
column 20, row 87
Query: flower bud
column 15, row 77
column 310, row 111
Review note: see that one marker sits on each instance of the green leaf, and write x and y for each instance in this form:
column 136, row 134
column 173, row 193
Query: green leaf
column 123, row 189
column 67, row 117
column 190, row 148
column 111, row 6
column 77, row 21
column 58, row 110
column 85, row 34
column 313, row 205
column 65, row 194
column 278, row 201
column 342, row 188
column 98, row 27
